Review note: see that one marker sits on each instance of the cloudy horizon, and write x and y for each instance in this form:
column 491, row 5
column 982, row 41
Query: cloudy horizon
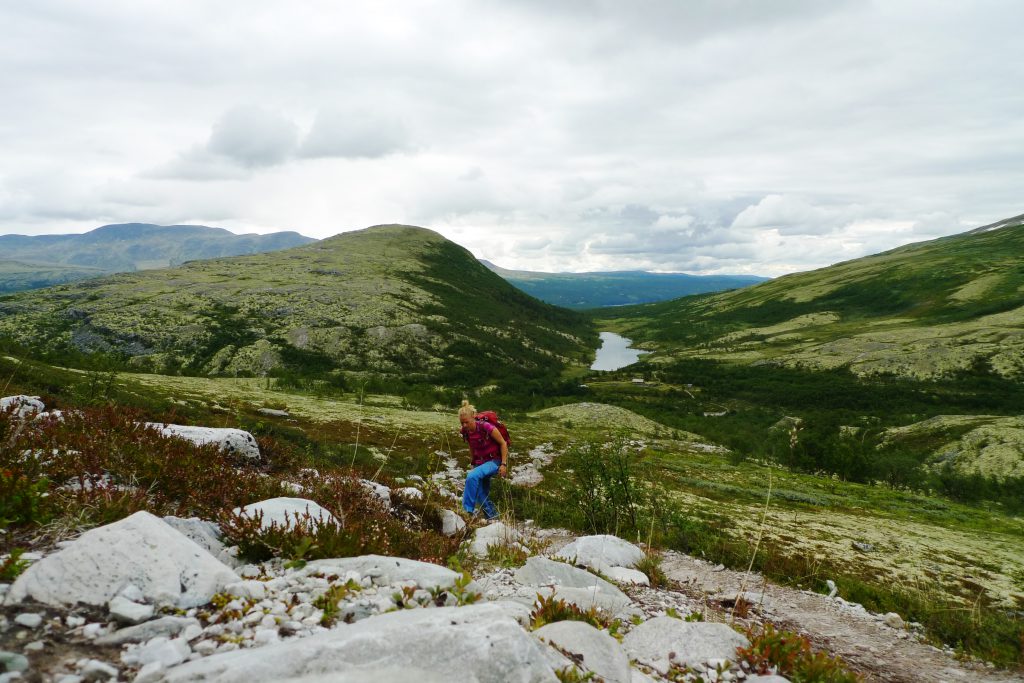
column 705, row 137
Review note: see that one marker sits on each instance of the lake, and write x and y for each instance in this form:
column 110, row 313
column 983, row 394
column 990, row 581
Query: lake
column 614, row 352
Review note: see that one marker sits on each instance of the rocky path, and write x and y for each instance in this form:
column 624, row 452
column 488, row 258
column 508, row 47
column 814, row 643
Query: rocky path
column 863, row 640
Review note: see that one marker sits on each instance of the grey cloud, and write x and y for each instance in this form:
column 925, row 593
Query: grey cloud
column 355, row 135
column 253, row 137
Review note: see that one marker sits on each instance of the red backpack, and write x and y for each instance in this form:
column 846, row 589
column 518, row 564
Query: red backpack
column 492, row 417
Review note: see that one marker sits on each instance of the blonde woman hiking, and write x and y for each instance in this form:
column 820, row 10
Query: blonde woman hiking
column 488, row 449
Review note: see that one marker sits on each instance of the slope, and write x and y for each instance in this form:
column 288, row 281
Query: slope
column 927, row 310
column 396, row 301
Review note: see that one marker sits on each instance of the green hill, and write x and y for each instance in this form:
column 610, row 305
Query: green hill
column 617, row 288
column 927, row 310
column 395, row 301
column 46, row 260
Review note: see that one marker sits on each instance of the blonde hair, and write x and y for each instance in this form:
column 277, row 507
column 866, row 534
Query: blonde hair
column 466, row 410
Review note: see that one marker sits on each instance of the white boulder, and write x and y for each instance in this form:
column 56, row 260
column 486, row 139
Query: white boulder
column 496, row 533
column 379, row 491
column 164, row 626
column 625, row 575
column 143, row 550
column 540, row 571
column 595, row 650
column 233, row 441
column 693, row 643
column 475, row 643
column 23, row 405
column 410, row 492
column 384, row 570
column 451, row 523
column 600, row 551
column 285, row 511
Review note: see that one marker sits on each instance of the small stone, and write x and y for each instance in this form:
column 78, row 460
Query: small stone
column 12, row 661
column 256, row 590
column 92, row 630
column 28, row 620
column 264, row 636
column 35, row 646
column 893, row 620
column 127, row 612
column 205, row 647
column 73, row 621
column 192, row 631
column 95, row 670
column 133, row 593
column 150, row 673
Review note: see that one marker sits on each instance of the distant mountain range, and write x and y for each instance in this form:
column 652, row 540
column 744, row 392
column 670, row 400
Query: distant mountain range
column 395, row 301
column 617, row 288
column 927, row 310
column 29, row 262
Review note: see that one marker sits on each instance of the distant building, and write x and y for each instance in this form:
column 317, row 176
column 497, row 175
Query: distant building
column 638, row 380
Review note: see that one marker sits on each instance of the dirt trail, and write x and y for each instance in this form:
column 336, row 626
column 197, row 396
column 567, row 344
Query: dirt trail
column 879, row 652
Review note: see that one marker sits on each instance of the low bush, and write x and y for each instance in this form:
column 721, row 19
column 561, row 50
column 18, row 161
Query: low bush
column 789, row 654
column 550, row 609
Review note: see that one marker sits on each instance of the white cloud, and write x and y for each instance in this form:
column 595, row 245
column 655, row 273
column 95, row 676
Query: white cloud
column 588, row 134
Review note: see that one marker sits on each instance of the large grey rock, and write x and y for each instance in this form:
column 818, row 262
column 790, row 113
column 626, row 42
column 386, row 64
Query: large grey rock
column 599, row 551
column 693, row 643
column 385, row 570
column 540, row 571
column 475, row 643
column 233, row 441
column 143, row 550
column 208, row 536
column 164, row 626
column 774, row 678
column 496, row 533
column 23, row 405
column 285, row 511
column 624, row 575
column 596, row 650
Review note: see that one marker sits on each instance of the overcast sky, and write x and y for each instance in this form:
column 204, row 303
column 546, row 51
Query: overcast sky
column 703, row 136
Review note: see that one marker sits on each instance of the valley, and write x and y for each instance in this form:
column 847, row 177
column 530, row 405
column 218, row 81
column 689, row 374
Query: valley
column 857, row 426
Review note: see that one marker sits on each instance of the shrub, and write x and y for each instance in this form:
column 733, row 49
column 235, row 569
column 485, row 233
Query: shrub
column 549, row 610
column 12, row 567
column 651, row 566
column 603, row 485
column 789, row 654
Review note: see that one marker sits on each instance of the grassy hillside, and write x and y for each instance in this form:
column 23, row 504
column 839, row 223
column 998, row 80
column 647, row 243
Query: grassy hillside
column 926, row 310
column 958, row 569
column 619, row 288
column 47, row 260
column 392, row 301
column 16, row 276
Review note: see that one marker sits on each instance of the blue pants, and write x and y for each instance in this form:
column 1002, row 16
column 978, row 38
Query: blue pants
column 478, row 486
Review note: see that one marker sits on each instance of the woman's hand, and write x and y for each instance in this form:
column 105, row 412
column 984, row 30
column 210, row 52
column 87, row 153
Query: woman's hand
column 502, row 470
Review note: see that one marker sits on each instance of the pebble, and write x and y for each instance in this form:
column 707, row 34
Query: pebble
column 29, row 620
column 74, row 622
column 150, row 673
column 95, row 670
column 12, row 661
column 35, row 646
column 92, row 630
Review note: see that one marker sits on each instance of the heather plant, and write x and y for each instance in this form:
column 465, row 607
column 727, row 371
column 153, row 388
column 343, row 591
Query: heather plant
column 12, row 566
column 789, row 654
column 550, row 609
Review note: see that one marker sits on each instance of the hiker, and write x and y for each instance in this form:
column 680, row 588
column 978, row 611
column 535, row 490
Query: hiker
column 489, row 452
